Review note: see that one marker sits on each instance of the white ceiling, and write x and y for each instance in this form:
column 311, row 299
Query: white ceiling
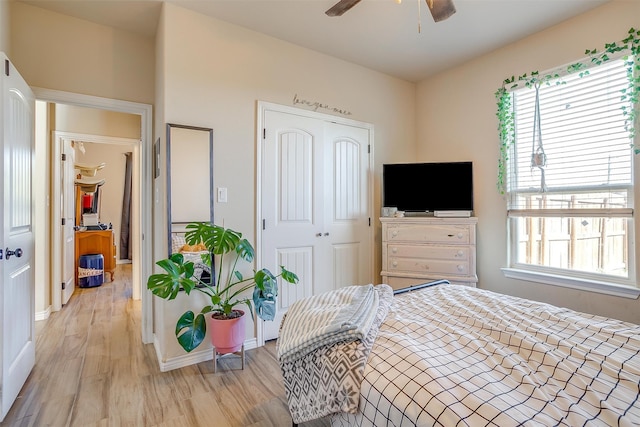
column 396, row 39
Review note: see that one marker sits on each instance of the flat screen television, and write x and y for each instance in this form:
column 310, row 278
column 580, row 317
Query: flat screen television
column 428, row 187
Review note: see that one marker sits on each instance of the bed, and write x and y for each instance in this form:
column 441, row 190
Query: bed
column 455, row 355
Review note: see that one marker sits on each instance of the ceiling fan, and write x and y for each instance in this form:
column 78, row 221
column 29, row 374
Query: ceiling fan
column 440, row 9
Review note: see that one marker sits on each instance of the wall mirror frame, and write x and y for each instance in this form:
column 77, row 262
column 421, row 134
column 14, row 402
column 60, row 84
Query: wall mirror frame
column 190, row 194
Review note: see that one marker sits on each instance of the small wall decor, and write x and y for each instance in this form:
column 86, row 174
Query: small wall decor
column 318, row 105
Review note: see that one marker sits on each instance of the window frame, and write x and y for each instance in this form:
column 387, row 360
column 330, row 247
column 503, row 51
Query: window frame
column 595, row 282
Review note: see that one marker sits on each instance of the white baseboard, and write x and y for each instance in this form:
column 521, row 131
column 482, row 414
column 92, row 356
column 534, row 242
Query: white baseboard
column 43, row 315
column 193, row 357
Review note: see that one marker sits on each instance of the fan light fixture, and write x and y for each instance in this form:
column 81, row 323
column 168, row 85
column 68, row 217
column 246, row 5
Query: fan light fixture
column 440, row 9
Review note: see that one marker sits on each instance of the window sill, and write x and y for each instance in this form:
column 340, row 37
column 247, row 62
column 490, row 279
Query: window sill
column 573, row 283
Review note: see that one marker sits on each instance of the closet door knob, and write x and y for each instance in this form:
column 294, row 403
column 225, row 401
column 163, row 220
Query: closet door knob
column 17, row 253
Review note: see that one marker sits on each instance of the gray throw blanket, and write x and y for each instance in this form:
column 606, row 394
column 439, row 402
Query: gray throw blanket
column 343, row 315
column 327, row 381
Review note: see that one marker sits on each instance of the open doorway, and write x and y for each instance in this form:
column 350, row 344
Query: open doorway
column 141, row 248
column 96, row 202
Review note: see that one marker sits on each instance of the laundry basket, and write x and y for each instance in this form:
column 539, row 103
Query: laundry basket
column 90, row 270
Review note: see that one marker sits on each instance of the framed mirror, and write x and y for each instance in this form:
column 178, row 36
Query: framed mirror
column 189, row 179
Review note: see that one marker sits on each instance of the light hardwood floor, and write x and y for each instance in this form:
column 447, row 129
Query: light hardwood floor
column 93, row 370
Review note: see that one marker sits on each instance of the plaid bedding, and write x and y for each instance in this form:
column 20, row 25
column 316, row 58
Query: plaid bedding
column 459, row 356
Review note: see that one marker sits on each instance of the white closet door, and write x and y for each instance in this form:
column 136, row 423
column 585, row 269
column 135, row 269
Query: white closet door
column 292, row 207
column 347, row 231
column 315, row 191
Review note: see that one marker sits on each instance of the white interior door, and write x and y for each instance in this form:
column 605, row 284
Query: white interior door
column 292, row 205
column 68, row 192
column 347, row 218
column 17, row 238
column 315, row 206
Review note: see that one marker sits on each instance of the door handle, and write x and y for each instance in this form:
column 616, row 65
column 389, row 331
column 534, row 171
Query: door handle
column 17, row 253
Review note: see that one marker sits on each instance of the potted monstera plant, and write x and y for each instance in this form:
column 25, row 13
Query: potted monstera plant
column 226, row 287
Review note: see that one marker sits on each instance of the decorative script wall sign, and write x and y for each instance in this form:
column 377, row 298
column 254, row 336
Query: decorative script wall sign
column 316, row 105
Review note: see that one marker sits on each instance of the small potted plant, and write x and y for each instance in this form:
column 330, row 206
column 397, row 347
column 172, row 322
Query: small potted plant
column 225, row 288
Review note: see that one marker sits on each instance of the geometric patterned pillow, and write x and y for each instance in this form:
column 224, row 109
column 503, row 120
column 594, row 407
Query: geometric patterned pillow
column 177, row 242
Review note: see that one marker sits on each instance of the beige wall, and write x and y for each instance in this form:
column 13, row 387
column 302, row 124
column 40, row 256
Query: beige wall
column 93, row 121
column 5, row 28
column 59, row 52
column 215, row 72
column 457, row 121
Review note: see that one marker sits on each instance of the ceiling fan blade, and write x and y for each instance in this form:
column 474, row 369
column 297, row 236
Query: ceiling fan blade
column 441, row 9
column 341, row 7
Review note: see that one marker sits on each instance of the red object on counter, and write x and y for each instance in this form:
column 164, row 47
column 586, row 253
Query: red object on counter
column 87, row 200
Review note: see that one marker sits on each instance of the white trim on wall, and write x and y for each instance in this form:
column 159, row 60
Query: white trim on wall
column 142, row 242
column 194, row 357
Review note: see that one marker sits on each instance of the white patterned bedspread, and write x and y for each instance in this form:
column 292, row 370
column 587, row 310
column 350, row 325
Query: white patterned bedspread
column 459, row 356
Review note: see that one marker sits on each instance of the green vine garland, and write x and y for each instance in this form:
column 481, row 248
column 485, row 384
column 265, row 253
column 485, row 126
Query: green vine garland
column 506, row 119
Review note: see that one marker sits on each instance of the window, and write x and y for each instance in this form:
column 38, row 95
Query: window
column 570, row 178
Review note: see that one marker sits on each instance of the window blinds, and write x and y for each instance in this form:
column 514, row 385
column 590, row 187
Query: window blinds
column 588, row 155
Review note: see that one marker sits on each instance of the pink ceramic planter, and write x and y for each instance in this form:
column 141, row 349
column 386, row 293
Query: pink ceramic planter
column 227, row 336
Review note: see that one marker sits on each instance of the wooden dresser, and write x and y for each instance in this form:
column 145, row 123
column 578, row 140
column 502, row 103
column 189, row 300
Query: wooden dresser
column 420, row 249
column 97, row 242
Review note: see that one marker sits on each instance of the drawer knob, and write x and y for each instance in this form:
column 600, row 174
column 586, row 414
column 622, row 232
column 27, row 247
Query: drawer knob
column 460, row 253
column 460, row 267
column 394, row 250
column 460, row 235
column 394, row 233
column 394, row 263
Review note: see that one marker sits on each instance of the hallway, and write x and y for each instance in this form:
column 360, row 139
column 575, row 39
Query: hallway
column 93, row 370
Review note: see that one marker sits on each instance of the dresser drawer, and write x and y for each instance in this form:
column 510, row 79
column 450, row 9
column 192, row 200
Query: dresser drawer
column 418, row 250
column 428, row 266
column 451, row 253
column 432, row 233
